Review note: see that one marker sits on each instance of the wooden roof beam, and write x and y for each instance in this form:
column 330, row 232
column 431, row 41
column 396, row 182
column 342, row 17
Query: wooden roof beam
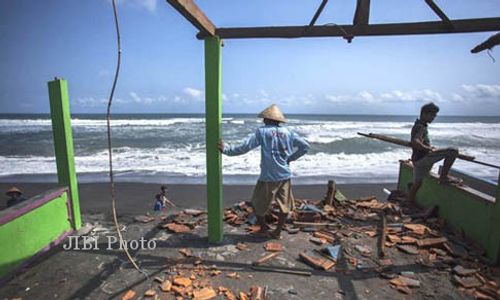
column 438, row 11
column 318, row 12
column 194, row 15
column 435, row 27
column 362, row 14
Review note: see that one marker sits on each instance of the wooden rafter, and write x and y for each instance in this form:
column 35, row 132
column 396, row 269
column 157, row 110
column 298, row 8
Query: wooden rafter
column 459, row 26
column 438, row 11
column 318, row 12
column 362, row 14
column 194, row 15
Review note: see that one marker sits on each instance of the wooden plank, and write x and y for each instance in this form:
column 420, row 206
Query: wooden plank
column 194, row 15
column 362, row 14
column 436, row 27
column 438, row 11
column 382, row 235
column 318, row 12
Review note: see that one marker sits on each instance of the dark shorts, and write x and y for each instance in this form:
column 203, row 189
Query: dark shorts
column 422, row 166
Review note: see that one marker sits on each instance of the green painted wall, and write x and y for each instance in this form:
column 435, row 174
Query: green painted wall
column 26, row 235
column 63, row 142
column 213, row 114
column 479, row 219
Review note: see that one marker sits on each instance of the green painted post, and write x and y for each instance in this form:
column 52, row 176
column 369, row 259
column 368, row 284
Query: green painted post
column 495, row 231
column 213, row 115
column 63, row 143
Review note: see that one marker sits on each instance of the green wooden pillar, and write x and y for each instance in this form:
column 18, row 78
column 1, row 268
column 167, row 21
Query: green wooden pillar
column 63, row 143
column 213, row 115
column 494, row 248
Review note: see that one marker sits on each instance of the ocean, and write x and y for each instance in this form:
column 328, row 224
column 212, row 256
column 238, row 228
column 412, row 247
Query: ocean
column 161, row 148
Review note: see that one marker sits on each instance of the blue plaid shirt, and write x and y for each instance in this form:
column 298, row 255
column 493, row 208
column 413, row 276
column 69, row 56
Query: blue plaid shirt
column 276, row 148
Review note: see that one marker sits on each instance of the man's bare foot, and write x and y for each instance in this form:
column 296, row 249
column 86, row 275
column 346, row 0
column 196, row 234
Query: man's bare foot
column 263, row 231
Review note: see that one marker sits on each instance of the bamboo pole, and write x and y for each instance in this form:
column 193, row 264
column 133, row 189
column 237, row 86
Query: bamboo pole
column 404, row 143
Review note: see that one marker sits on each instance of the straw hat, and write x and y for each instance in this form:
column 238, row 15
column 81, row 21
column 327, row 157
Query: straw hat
column 13, row 190
column 273, row 113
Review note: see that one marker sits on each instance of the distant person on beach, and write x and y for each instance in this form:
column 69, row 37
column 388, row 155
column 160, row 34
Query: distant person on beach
column 163, row 196
column 424, row 156
column 158, row 203
column 15, row 196
column 277, row 144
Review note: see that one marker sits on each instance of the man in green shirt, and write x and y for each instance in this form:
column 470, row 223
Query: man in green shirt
column 424, row 156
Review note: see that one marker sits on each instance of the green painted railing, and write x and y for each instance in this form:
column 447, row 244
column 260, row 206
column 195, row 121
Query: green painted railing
column 32, row 227
column 475, row 213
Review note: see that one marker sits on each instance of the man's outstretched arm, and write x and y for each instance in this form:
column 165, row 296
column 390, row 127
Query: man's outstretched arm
column 250, row 143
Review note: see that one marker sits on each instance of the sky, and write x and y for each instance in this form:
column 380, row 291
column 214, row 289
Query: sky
column 162, row 67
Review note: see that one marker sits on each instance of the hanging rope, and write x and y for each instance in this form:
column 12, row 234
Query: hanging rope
column 108, row 118
column 489, row 54
column 347, row 36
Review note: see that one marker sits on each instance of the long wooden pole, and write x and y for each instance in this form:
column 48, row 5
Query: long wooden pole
column 397, row 141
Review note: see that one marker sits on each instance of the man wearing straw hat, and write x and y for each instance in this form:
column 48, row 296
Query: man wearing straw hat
column 277, row 151
column 15, row 196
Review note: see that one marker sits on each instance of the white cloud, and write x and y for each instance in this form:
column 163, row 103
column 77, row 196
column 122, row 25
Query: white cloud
column 263, row 94
column 457, row 98
column 193, row 93
column 483, row 90
column 425, row 95
column 91, row 102
column 149, row 5
column 146, row 100
column 367, row 96
column 338, row 98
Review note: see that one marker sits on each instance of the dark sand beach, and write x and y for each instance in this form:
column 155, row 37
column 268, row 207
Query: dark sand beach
column 106, row 273
column 137, row 198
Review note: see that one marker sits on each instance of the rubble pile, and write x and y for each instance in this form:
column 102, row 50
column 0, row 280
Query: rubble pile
column 392, row 239
column 185, row 221
column 194, row 280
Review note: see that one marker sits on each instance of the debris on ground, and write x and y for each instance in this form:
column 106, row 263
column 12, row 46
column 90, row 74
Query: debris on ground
column 336, row 235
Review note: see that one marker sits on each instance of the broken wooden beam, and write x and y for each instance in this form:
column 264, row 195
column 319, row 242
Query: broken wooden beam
column 189, row 10
column 330, row 194
column 281, row 270
column 362, row 14
column 382, row 235
column 433, row 27
column 318, row 12
column 439, row 12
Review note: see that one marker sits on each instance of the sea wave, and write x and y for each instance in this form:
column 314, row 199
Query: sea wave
column 191, row 162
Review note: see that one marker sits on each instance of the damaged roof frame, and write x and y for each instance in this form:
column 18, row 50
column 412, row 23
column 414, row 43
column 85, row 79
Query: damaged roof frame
column 360, row 26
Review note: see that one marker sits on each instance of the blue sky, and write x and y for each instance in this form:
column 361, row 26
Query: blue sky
column 162, row 67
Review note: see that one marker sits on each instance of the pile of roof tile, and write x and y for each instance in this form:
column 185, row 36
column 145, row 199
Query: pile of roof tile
column 184, row 221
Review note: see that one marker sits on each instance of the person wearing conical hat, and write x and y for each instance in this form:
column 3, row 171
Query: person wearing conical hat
column 15, row 196
column 277, row 149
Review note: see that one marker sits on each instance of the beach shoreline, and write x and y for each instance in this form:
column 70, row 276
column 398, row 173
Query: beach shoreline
column 138, row 198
